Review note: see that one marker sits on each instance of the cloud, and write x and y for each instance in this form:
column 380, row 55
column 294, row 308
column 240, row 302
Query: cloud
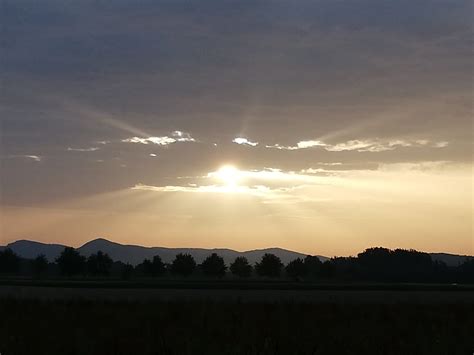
column 90, row 149
column 269, row 175
column 365, row 145
column 441, row 144
column 36, row 158
column 330, row 71
column 269, row 183
column 299, row 145
column 382, row 146
column 319, row 187
column 310, row 144
column 182, row 136
column 319, row 171
column 154, row 140
column 423, row 166
column 176, row 136
column 331, row 164
column 244, row 141
column 258, row 190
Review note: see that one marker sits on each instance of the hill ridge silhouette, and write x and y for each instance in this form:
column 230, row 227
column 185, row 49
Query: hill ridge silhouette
column 134, row 254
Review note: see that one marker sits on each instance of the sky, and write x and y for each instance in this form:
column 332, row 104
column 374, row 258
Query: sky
column 322, row 126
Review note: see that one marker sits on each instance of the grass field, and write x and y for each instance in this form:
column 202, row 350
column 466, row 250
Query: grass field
column 104, row 327
column 215, row 317
column 251, row 284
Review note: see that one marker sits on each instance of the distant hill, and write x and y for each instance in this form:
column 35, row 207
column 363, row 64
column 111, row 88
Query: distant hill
column 134, row 254
column 29, row 249
column 450, row 259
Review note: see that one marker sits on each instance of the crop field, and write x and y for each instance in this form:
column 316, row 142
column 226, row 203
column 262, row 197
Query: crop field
column 362, row 295
column 59, row 320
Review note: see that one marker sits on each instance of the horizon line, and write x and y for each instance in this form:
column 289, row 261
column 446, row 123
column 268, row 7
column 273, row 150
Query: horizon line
column 224, row 248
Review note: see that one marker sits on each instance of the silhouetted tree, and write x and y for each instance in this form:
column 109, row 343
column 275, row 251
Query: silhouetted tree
column 70, row 262
column 154, row 267
column 146, row 267
column 127, row 271
column 381, row 264
column 345, row 268
column 441, row 272
column 214, row 265
column 9, row 261
column 374, row 263
column 241, row 267
column 99, row 264
column 296, row 269
column 158, row 267
column 39, row 265
column 313, row 266
column 467, row 270
column 327, row 270
column 410, row 265
column 270, row 266
column 183, row 265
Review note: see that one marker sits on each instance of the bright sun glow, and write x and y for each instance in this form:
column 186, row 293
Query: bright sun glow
column 229, row 175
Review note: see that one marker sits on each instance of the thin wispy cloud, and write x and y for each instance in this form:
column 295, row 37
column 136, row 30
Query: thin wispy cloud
column 153, row 140
column 363, row 145
column 441, row 144
column 33, row 157
column 258, row 190
column 36, row 158
column 176, row 136
column 103, row 142
column 267, row 184
column 299, row 145
column 275, row 184
column 320, row 171
column 89, row 149
column 370, row 145
column 331, row 164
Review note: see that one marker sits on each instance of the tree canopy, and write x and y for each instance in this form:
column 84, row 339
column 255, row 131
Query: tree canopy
column 154, row 267
column 39, row 265
column 70, row 262
column 269, row 266
column 296, row 269
column 99, row 264
column 241, row 267
column 183, row 265
column 9, row 261
column 214, row 265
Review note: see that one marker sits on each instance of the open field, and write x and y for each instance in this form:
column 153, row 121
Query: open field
column 194, row 317
column 206, row 327
column 356, row 296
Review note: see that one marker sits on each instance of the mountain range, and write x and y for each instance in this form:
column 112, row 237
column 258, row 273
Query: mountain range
column 135, row 254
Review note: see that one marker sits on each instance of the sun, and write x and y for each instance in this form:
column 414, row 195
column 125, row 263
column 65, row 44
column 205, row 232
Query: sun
column 229, row 175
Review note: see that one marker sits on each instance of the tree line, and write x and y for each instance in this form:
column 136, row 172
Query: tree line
column 374, row 264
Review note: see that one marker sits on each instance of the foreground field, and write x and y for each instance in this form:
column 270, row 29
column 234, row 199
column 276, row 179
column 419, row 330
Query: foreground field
column 342, row 294
column 208, row 327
